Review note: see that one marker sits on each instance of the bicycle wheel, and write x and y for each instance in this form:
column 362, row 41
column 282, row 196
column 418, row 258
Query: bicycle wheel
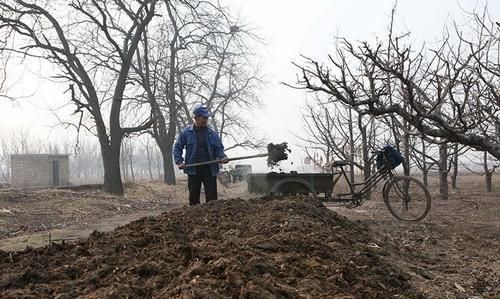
column 407, row 198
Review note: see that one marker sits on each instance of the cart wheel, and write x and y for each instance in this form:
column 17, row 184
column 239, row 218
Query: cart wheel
column 276, row 188
column 407, row 198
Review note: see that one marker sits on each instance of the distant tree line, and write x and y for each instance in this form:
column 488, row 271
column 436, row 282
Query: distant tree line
column 141, row 159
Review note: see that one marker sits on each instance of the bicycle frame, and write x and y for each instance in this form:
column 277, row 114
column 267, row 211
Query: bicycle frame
column 368, row 184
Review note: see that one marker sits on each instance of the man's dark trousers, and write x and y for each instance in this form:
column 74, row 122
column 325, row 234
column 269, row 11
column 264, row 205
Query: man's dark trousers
column 203, row 175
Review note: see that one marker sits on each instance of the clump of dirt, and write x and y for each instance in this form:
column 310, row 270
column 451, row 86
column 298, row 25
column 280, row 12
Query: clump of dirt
column 277, row 153
column 259, row 248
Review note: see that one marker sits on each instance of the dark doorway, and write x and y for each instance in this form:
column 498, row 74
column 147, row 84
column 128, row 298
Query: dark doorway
column 55, row 173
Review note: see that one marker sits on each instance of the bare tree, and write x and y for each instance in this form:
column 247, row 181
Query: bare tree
column 424, row 160
column 197, row 56
column 482, row 164
column 95, row 43
column 3, row 67
column 224, row 80
column 127, row 159
column 339, row 132
column 489, row 168
column 461, row 76
column 149, row 158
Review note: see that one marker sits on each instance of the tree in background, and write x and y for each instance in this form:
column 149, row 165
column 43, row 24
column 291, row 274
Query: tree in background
column 93, row 43
column 339, row 133
column 449, row 95
column 197, row 55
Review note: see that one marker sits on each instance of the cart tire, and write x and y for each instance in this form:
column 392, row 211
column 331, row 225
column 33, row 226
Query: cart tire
column 407, row 198
column 308, row 185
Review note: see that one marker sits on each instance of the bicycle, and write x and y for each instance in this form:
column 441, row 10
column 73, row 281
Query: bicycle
column 405, row 197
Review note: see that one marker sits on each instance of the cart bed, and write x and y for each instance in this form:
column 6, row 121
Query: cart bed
column 290, row 183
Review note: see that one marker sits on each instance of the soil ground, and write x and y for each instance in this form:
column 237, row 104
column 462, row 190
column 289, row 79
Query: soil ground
column 453, row 253
column 37, row 217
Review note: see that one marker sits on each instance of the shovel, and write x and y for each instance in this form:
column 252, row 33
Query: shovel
column 230, row 159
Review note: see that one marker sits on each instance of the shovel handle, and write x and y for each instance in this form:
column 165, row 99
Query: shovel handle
column 230, row 159
column 201, row 163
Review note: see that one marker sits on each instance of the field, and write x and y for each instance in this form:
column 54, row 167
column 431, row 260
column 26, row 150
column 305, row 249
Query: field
column 244, row 247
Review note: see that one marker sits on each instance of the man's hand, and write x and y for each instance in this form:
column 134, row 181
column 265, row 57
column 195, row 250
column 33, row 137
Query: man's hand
column 181, row 165
column 224, row 160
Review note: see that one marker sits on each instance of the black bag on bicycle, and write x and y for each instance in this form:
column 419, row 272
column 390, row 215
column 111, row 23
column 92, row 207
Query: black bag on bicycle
column 389, row 156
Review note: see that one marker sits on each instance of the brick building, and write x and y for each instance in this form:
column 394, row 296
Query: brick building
column 39, row 170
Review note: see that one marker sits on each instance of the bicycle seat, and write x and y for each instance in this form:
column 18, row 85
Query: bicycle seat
column 340, row 163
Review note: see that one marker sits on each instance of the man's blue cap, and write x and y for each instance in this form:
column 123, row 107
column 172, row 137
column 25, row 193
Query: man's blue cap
column 201, row 111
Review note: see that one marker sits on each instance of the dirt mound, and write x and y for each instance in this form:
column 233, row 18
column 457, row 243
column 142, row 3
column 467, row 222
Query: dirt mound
column 261, row 248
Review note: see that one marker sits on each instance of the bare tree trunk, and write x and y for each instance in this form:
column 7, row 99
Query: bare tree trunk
column 406, row 153
column 148, row 156
column 425, row 170
column 111, row 162
column 131, row 162
column 489, row 181
column 425, row 175
column 168, row 169
column 454, row 174
column 351, row 144
column 443, row 170
column 488, row 174
column 168, row 159
column 158, row 164
column 124, row 162
column 165, row 140
column 366, row 152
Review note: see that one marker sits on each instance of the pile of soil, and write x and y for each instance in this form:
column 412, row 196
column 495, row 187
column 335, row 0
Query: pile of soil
column 259, row 248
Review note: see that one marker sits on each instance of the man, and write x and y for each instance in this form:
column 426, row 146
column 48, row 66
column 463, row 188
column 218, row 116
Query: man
column 202, row 144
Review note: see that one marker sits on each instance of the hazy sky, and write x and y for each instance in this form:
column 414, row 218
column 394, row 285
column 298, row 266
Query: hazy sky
column 290, row 28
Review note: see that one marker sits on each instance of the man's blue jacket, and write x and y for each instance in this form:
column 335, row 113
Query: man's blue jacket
column 187, row 139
